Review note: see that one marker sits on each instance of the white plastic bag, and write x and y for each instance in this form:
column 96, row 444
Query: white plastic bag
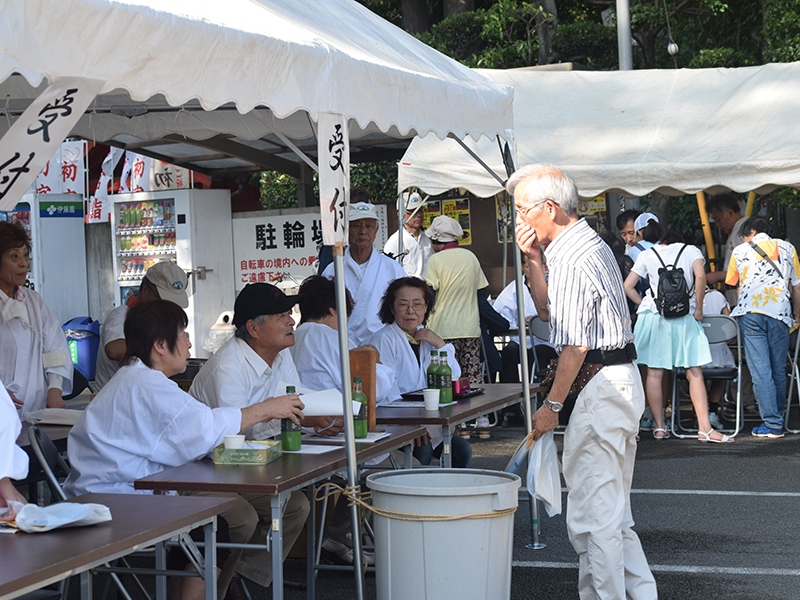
column 544, row 481
column 34, row 519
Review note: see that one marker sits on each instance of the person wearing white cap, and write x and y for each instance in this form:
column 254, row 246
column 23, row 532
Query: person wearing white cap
column 456, row 276
column 639, row 225
column 367, row 272
column 417, row 247
column 164, row 281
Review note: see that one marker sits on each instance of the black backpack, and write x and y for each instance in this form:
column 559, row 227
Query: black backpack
column 672, row 298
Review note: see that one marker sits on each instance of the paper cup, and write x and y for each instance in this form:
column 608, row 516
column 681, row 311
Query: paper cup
column 234, row 442
column 431, row 399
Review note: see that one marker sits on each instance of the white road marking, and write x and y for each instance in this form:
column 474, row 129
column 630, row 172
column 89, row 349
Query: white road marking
column 532, row 564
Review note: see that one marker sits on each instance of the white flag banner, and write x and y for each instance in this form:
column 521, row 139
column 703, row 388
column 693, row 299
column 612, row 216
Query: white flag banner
column 49, row 179
column 73, row 172
column 166, row 176
column 37, row 133
column 333, row 150
column 140, row 173
column 126, row 171
column 99, row 204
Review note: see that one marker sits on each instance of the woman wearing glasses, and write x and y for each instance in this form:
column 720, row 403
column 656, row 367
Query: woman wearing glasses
column 405, row 344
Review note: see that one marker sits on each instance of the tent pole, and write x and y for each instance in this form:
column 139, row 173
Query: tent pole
column 751, row 203
column 347, row 397
column 480, row 161
column 401, row 215
column 706, row 224
column 522, row 327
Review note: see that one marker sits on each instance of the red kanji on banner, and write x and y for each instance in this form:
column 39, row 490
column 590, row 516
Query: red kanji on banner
column 69, row 171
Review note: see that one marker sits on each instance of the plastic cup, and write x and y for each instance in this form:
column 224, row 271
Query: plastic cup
column 234, row 442
column 431, row 399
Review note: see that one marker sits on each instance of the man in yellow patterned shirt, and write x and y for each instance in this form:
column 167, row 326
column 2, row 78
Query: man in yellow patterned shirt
column 767, row 272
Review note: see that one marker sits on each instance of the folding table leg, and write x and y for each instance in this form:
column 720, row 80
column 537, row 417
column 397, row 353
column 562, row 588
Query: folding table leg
column 276, row 503
column 161, row 565
column 210, row 550
column 447, row 458
column 86, row 585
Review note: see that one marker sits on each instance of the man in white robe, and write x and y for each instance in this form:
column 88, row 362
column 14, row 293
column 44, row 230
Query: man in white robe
column 417, row 247
column 367, row 272
column 13, row 460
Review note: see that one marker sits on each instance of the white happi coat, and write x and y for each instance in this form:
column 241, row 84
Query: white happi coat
column 140, row 423
column 112, row 328
column 396, row 352
column 237, row 376
column 13, row 460
column 367, row 284
column 316, row 354
column 28, row 331
column 416, row 251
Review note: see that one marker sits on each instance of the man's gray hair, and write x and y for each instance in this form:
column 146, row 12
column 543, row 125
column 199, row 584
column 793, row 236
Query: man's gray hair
column 549, row 184
column 242, row 332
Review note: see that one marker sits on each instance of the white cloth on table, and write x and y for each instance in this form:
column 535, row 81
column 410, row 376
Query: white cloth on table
column 13, row 460
column 316, row 352
column 111, row 329
column 138, row 425
column 237, row 376
column 23, row 346
column 367, row 284
column 416, row 251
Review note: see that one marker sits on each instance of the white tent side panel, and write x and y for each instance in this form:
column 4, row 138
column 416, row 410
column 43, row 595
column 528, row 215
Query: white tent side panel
column 633, row 132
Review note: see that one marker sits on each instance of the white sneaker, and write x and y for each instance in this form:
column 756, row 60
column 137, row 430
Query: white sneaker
column 715, row 422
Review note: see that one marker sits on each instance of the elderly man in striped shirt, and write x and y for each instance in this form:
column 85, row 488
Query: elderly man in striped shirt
column 585, row 302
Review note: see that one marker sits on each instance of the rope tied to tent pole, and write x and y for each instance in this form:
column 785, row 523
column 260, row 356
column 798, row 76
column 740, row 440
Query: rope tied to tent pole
column 355, row 496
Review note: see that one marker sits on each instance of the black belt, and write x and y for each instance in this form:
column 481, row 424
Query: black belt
column 618, row 356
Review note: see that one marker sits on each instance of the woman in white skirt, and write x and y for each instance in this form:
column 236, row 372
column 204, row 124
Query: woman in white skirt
column 664, row 344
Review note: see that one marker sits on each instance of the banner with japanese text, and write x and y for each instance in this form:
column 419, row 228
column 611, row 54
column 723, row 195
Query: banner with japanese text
column 65, row 172
column 273, row 245
column 99, row 204
column 36, row 135
column 333, row 151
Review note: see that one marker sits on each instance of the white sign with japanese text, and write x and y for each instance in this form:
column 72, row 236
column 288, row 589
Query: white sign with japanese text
column 64, row 173
column 274, row 245
column 99, row 204
column 333, row 150
column 37, row 133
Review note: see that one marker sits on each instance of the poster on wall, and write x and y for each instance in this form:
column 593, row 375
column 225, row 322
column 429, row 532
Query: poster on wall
column 502, row 209
column 456, row 208
column 274, row 246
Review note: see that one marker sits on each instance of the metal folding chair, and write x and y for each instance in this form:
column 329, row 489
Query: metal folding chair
column 794, row 380
column 718, row 329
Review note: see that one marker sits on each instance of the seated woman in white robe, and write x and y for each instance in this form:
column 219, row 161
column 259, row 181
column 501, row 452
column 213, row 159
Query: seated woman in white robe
column 316, row 342
column 35, row 362
column 405, row 344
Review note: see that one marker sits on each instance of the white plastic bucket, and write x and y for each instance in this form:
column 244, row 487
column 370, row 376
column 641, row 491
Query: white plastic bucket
column 437, row 559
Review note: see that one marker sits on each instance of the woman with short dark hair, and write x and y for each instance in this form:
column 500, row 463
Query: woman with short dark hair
column 405, row 344
column 35, row 361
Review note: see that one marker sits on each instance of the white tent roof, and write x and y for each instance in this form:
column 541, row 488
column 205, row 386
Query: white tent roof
column 633, row 132
column 263, row 66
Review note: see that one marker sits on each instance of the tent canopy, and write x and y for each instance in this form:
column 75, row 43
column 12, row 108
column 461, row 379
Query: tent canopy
column 265, row 68
column 633, row 132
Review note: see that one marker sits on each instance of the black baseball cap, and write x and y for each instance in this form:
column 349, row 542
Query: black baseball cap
column 259, row 299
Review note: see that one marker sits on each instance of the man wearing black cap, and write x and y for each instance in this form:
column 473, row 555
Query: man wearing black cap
column 246, row 370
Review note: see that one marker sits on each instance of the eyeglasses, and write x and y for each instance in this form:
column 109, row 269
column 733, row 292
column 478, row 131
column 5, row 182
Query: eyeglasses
column 417, row 306
column 524, row 210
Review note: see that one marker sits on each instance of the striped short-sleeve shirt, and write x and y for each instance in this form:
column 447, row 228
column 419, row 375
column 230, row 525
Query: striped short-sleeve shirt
column 584, row 293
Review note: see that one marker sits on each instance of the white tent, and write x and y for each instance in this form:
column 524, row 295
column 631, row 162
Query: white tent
column 633, row 132
column 267, row 68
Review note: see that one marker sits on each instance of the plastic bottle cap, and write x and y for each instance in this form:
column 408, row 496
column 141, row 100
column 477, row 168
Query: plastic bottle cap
column 357, row 379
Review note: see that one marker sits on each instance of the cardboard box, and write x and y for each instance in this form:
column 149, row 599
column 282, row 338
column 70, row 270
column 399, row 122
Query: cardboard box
column 249, row 456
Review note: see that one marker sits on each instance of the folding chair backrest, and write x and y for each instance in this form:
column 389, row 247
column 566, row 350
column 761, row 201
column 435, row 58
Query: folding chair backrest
column 539, row 328
column 49, row 459
column 720, row 328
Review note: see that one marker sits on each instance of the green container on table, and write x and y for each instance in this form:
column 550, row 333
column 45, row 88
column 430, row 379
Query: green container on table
column 360, row 422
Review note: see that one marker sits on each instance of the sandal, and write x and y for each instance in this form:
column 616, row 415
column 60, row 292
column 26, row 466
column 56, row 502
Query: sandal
column 664, row 433
column 706, row 437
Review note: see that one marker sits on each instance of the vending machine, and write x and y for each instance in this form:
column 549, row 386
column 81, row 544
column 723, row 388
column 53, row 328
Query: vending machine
column 58, row 250
column 189, row 227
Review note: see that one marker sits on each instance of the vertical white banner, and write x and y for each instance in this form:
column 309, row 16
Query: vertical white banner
column 333, row 151
column 73, row 174
column 140, row 173
column 126, row 171
column 166, row 176
column 37, row 133
column 99, row 204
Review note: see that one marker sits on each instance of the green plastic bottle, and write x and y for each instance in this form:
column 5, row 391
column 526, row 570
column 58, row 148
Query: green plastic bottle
column 291, row 436
column 360, row 424
column 445, row 374
column 433, row 377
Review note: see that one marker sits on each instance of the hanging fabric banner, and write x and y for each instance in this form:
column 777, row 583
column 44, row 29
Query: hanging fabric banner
column 65, row 172
column 99, row 204
column 126, row 171
column 166, row 176
column 140, row 173
column 37, row 133
column 333, row 150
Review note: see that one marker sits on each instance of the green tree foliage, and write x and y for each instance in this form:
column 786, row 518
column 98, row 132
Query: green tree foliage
column 782, row 30
column 280, row 191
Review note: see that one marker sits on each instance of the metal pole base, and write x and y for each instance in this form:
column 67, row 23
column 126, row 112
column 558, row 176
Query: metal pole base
column 536, row 546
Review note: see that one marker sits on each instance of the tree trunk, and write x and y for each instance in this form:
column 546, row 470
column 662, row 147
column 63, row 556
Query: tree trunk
column 545, row 29
column 660, row 207
column 456, row 7
column 415, row 16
